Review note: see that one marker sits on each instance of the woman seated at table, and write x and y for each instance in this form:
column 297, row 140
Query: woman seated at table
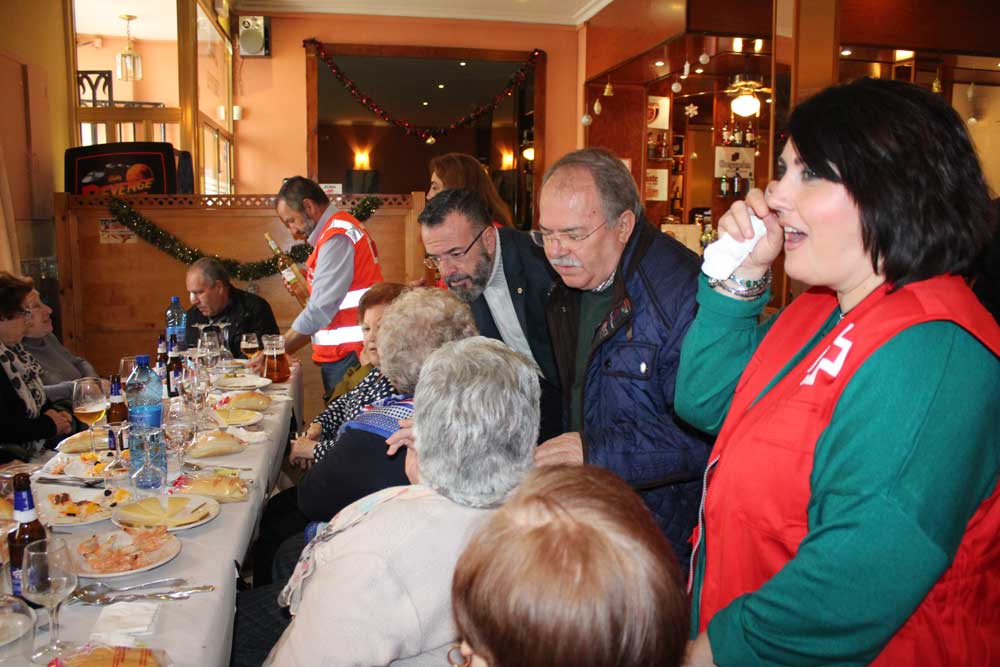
column 460, row 171
column 373, row 587
column 27, row 419
column 282, row 517
column 852, row 509
column 416, row 324
column 60, row 367
column 572, row 570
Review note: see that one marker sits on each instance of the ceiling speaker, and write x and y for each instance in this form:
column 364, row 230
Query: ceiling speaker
column 255, row 36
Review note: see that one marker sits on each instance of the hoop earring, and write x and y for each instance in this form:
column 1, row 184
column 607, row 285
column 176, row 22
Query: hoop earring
column 463, row 661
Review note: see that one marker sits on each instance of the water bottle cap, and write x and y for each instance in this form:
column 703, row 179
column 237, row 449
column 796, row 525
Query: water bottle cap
column 142, row 360
column 175, row 299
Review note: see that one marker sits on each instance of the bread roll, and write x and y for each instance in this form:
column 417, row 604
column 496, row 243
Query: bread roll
column 215, row 443
column 250, row 400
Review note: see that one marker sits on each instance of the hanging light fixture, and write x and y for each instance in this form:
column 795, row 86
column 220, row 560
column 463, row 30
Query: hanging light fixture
column 128, row 63
column 745, row 104
column 608, row 90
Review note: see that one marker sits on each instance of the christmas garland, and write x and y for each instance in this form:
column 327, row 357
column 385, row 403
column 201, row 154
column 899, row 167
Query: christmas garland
column 150, row 232
column 428, row 134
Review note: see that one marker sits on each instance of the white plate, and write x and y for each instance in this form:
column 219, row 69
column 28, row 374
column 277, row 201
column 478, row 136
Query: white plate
column 72, row 465
column 51, row 516
column 193, row 502
column 164, row 554
column 242, row 382
column 80, row 442
column 252, row 417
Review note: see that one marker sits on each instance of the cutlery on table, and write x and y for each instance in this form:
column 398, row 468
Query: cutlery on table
column 82, row 482
column 194, row 467
column 91, row 592
column 169, row 595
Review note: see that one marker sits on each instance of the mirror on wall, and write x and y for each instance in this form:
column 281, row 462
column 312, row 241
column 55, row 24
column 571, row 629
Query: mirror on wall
column 360, row 152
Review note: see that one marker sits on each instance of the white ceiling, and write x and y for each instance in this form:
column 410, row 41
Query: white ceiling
column 562, row 12
column 155, row 19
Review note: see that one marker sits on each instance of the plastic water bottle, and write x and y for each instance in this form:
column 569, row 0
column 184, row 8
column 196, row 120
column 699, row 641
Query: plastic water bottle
column 144, row 394
column 177, row 322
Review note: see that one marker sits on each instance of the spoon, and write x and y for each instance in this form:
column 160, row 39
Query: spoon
column 91, row 592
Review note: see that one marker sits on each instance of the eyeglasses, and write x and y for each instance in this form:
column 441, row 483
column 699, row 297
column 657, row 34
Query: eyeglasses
column 567, row 239
column 434, row 262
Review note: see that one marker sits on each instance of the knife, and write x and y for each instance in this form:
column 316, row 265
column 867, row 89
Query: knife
column 80, row 482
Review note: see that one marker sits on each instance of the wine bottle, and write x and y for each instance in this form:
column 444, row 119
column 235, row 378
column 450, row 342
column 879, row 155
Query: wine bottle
column 29, row 529
column 724, row 187
column 290, row 272
column 174, row 369
column 725, row 134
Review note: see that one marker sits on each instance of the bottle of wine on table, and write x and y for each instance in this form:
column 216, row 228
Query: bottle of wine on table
column 290, row 272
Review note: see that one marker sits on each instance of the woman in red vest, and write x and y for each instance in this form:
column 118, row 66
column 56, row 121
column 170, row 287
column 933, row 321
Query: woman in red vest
column 851, row 513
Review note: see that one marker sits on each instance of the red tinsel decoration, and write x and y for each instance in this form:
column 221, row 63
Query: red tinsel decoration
column 516, row 81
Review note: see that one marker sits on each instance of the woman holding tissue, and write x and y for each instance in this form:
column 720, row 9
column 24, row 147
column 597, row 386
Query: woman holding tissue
column 851, row 506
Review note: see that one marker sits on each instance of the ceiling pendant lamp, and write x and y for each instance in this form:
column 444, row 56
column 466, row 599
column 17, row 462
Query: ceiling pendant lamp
column 745, row 104
column 128, row 63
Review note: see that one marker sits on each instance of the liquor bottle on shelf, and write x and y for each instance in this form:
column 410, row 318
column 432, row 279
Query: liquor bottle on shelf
column 650, row 146
column 724, row 187
column 748, row 137
column 675, row 201
column 737, row 186
column 29, row 529
column 726, row 138
column 662, row 148
column 677, row 145
column 290, row 272
column 174, row 369
column 737, row 135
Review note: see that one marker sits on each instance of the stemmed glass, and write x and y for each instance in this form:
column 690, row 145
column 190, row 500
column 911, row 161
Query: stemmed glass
column 17, row 631
column 201, row 328
column 89, row 404
column 47, row 578
column 195, row 388
column 149, row 478
column 179, row 428
column 125, row 368
column 211, row 348
column 226, row 353
column 249, row 345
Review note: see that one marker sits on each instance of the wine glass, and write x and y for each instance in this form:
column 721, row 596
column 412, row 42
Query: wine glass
column 47, row 578
column 149, row 461
column 17, row 630
column 179, row 428
column 125, row 368
column 89, row 404
column 211, row 348
column 249, row 345
column 195, row 388
column 226, row 353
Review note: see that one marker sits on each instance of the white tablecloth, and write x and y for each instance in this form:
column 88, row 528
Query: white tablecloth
column 198, row 632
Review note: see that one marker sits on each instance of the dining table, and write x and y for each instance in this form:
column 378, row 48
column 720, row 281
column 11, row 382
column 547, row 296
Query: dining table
column 197, row 632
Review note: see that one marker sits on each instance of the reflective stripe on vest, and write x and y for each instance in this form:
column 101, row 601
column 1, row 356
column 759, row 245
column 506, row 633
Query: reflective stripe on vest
column 337, row 336
column 352, row 298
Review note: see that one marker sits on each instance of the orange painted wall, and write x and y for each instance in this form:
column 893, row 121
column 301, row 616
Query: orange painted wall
column 271, row 138
column 159, row 68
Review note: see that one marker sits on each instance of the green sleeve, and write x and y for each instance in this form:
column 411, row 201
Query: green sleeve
column 911, row 451
column 716, row 349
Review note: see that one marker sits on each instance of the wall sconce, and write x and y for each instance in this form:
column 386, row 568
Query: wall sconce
column 237, row 112
column 528, row 153
column 128, row 63
column 506, row 160
column 745, row 104
column 361, row 160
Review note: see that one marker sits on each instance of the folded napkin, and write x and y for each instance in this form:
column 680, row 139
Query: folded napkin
column 248, row 436
column 119, row 622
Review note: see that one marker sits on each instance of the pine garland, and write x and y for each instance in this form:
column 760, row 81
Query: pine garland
column 155, row 235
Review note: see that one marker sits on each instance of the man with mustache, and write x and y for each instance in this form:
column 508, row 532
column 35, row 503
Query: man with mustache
column 617, row 318
column 502, row 276
column 341, row 268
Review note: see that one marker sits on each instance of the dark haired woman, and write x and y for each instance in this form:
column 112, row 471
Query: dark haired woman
column 851, row 512
column 460, row 171
column 27, row 419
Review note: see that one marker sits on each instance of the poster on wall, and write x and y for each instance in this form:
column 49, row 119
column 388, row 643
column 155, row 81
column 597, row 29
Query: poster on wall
column 729, row 159
column 125, row 168
column 658, row 112
column 656, row 184
column 115, row 233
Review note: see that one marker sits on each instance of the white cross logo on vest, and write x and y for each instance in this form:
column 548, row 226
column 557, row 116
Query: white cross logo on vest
column 830, row 366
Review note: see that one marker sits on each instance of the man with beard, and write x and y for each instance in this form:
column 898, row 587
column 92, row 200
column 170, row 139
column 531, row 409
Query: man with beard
column 502, row 275
column 341, row 268
column 617, row 316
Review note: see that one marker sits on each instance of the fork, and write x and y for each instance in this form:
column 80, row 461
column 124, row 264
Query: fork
column 81, row 482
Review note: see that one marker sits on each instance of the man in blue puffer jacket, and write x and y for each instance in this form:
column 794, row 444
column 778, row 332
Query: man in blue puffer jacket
column 617, row 319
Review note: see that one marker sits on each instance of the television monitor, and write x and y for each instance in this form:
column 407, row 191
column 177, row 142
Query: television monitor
column 126, row 168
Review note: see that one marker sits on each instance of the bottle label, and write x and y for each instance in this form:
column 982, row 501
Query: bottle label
column 24, row 507
column 289, row 276
column 15, row 580
column 146, row 415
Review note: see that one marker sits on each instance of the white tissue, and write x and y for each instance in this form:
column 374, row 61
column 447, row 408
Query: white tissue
column 723, row 256
column 249, row 436
column 120, row 620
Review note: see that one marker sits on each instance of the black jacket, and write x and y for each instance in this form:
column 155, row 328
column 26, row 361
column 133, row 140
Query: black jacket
column 245, row 312
column 16, row 426
column 529, row 278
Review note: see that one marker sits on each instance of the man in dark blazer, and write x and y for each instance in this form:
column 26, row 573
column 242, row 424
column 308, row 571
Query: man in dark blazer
column 506, row 290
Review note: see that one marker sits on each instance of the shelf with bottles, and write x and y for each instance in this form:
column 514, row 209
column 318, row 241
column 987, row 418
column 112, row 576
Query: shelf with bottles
column 739, row 132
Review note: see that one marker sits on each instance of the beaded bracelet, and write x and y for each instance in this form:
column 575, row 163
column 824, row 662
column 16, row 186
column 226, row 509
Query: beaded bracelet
column 747, row 289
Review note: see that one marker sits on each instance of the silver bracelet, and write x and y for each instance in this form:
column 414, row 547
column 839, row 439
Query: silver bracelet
column 746, row 289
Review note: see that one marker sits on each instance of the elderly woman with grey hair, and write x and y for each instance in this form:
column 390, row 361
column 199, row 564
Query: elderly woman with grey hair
column 414, row 325
column 373, row 587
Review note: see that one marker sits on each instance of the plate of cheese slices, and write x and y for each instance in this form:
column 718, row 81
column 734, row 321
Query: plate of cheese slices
column 176, row 512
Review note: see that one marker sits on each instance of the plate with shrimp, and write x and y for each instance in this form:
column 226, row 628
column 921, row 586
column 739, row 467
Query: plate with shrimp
column 122, row 552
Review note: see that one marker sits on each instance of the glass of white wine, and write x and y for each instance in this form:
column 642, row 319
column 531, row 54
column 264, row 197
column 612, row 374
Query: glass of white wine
column 47, row 578
column 17, row 631
column 90, row 403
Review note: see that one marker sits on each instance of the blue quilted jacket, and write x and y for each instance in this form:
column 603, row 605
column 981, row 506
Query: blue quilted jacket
column 630, row 426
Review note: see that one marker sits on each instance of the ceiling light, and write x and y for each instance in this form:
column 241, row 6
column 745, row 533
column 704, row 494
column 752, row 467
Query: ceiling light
column 758, row 44
column 846, row 51
column 900, row 54
column 440, row 85
column 769, row 100
column 745, row 104
column 424, row 103
column 528, row 153
column 737, row 44
column 461, row 64
column 660, row 63
column 128, row 63
column 704, row 58
column 430, row 141
column 699, row 70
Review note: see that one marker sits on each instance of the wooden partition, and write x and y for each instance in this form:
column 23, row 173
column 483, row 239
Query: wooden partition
column 113, row 295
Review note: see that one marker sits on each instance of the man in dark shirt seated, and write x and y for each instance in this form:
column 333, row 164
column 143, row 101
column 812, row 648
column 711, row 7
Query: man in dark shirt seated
column 215, row 300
